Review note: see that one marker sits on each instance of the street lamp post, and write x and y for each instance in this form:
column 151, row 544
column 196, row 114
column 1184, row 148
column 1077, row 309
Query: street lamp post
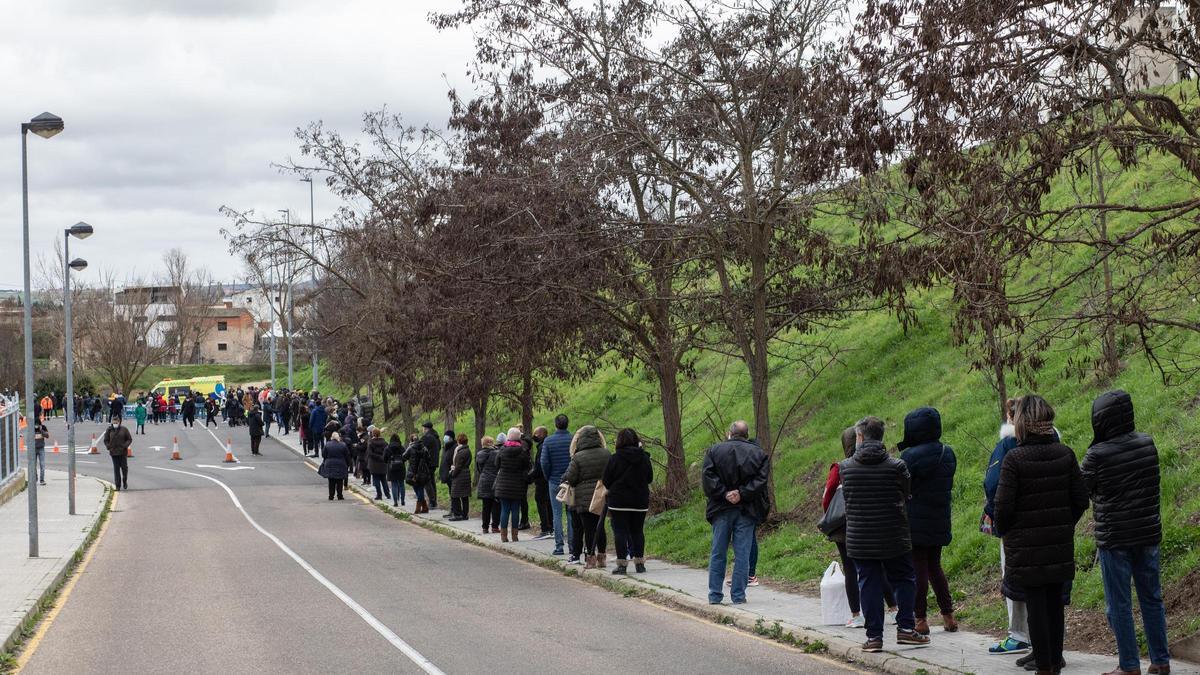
column 287, row 219
column 46, row 126
column 79, row 230
column 312, row 225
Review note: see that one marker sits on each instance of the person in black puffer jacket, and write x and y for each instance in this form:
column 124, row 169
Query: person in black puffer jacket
column 876, row 488
column 627, row 476
column 931, row 466
column 1040, row 498
column 395, row 469
column 1122, row 474
column 486, row 466
column 460, row 479
column 513, row 461
column 377, row 463
column 420, row 471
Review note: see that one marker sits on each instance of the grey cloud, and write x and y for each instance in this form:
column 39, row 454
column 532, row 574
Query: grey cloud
column 207, row 9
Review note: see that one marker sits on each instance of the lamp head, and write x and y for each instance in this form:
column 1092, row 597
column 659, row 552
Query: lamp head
column 80, row 230
column 46, row 125
column 78, row 264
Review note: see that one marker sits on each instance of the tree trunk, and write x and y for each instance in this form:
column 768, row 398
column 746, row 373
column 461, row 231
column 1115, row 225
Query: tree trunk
column 527, row 402
column 1109, row 359
column 406, row 413
column 449, row 419
column 999, row 381
column 759, row 381
column 480, row 408
column 760, row 371
column 383, row 397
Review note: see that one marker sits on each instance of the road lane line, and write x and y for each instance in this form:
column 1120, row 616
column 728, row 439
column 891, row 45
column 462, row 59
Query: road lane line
column 407, row 649
column 31, row 646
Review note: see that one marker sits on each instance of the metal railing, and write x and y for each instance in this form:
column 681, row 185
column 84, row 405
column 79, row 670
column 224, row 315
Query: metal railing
column 10, row 415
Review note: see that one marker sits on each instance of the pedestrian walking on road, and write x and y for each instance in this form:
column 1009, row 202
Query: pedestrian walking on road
column 334, row 466
column 139, row 416
column 627, row 476
column 1121, row 472
column 420, row 471
column 460, row 479
column 211, row 410
column 486, row 467
column 40, row 434
column 395, row 469
column 1040, row 498
column 555, row 457
column 1017, row 640
column 832, row 484
column 734, row 477
column 931, row 466
column 876, row 488
column 255, row 425
column 117, row 440
column 588, row 460
column 189, row 410
column 513, row 465
column 377, row 463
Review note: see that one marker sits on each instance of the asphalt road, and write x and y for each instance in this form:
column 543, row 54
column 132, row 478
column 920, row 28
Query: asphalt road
column 183, row 581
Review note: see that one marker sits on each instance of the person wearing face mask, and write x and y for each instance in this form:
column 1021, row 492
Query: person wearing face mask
column 117, row 440
column 444, row 466
column 432, row 445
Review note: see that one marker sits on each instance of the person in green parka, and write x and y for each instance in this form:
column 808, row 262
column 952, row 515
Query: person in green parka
column 139, row 414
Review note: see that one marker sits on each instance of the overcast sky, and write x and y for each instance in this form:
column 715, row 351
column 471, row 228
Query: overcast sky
column 176, row 107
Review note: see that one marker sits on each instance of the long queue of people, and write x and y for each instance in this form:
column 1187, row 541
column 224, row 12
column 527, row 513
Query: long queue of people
column 890, row 516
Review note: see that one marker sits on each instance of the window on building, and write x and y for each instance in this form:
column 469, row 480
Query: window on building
column 222, row 325
column 222, row 347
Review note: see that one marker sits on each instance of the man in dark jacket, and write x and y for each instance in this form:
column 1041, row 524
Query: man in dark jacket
column 444, row 465
column 735, row 481
column 316, row 428
column 876, row 488
column 931, row 465
column 554, row 459
column 431, row 442
column 254, row 422
column 1121, row 472
column 117, row 440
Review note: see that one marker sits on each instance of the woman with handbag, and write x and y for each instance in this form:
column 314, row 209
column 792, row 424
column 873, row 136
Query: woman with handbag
column 512, row 463
column 587, row 465
column 833, row 497
column 627, row 476
column 335, row 465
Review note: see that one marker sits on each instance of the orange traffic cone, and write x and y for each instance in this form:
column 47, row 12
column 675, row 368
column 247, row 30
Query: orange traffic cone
column 229, row 450
column 175, row 448
column 55, row 450
column 93, row 450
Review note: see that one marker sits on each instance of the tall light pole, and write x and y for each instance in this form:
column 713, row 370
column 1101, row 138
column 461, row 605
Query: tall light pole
column 79, row 230
column 312, row 224
column 287, row 219
column 46, row 126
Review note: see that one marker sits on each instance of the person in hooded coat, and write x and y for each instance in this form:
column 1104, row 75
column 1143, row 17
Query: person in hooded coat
column 585, row 470
column 931, row 466
column 486, row 468
column 395, row 469
column 335, row 466
column 627, row 476
column 1121, row 472
column 420, row 471
column 255, row 425
column 460, row 479
column 377, row 463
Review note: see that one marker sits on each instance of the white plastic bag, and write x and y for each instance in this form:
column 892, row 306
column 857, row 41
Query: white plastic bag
column 835, row 606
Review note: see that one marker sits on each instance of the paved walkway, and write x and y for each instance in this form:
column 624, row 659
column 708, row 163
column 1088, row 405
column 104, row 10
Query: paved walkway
column 687, row 587
column 24, row 580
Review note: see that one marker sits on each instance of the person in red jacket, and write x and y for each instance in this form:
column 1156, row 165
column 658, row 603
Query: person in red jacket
column 832, row 483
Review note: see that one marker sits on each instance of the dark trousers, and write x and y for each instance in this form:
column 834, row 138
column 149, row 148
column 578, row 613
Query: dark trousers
column 431, row 494
column 491, row 513
column 1046, row 624
column 120, row 471
column 335, row 487
column 589, row 527
column 928, row 562
column 254, row 443
column 541, row 495
column 629, row 533
column 899, row 572
column 850, row 571
column 460, row 507
column 397, row 492
column 381, row 485
column 210, row 419
column 525, row 512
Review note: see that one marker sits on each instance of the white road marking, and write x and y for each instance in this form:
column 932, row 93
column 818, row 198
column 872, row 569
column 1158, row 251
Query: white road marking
column 225, row 468
column 156, row 448
column 412, row 654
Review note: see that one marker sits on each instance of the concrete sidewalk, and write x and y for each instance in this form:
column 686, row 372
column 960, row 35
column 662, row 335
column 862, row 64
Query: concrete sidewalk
column 800, row 615
column 24, row 581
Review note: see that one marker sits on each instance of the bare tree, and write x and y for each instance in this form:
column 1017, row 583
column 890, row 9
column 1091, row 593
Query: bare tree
column 117, row 332
column 191, row 295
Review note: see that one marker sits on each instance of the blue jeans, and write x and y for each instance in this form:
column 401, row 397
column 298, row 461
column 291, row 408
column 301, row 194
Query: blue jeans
column 900, row 574
column 1117, row 566
column 730, row 526
column 40, row 464
column 397, row 491
column 556, row 508
column 507, row 507
column 419, row 491
column 380, row 482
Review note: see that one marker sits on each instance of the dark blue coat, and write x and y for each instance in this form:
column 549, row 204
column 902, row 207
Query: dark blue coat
column 991, row 476
column 336, row 463
column 556, row 457
column 316, row 421
column 931, row 466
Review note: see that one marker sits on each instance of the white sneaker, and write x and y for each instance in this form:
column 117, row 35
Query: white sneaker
column 856, row 622
column 752, row 582
column 891, row 617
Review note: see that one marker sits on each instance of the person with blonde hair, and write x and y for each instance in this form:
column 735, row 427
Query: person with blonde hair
column 513, row 465
column 486, row 467
column 589, row 457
